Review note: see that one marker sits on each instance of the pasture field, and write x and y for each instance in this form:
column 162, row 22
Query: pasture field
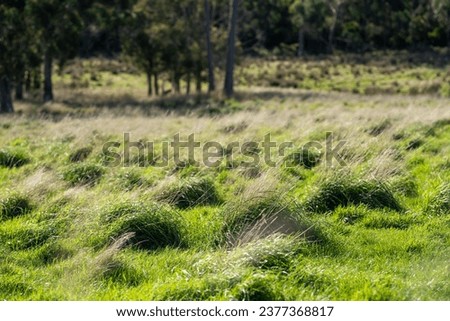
column 370, row 222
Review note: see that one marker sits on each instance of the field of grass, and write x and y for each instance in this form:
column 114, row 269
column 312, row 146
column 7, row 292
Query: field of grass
column 375, row 226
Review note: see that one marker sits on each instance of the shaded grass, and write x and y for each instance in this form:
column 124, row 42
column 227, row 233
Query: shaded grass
column 190, row 192
column 336, row 192
column 151, row 225
column 13, row 158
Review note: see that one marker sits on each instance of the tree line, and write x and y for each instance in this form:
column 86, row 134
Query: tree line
column 188, row 40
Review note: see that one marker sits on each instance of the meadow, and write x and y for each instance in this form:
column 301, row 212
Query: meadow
column 375, row 226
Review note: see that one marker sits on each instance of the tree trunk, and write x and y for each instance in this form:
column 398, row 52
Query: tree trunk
column 301, row 42
column 27, row 81
column 149, row 83
column 37, row 79
column 188, row 83
column 6, row 105
column 176, row 83
column 19, row 90
column 155, row 79
column 229, row 70
column 198, row 80
column 211, row 79
column 48, row 87
column 331, row 36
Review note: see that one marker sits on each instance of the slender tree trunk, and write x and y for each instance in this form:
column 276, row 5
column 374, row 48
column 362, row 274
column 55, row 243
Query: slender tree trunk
column 19, row 90
column 331, row 36
column 231, row 48
column 211, row 79
column 188, row 83
column 176, row 83
column 37, row 79
column 198, row 80
column 6, row 104
column 301, row 42
column 149, row 83
column 155, row 79
column 27, row 81
column 48, row 86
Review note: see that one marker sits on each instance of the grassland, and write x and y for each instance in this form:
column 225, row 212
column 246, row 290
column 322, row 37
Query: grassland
column 376, row 227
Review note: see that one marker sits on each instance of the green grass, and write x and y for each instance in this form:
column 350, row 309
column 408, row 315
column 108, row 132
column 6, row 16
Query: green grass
column 376, row 227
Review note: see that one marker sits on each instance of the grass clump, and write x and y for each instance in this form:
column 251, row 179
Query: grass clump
column 250, row 220
column 80, row 154
column 83, row 174
column 343, row 192
column 306, row 157
column 440, row 203
column 151, row 225
column 190, row 192
column 11, row 158
column 14, row 205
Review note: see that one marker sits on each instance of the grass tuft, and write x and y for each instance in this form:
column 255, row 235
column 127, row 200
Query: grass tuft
column 306, row 157
column 343, row 192
column 440, row 203
column 249, row 220
column 83, row 174
column 80, row 155
column 190, row 192
column 152, row 225
column 13, row 158
column 13, row 206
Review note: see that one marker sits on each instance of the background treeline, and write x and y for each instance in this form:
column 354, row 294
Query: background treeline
column 187, row 40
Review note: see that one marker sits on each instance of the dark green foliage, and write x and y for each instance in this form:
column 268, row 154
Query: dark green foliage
column 306, row 157
column 153, row 225
column 83, row 174
column 342, row 192
column 13, row 158
column 80, row 154
column 191, row 192
column 440, row 203
column 14, row 205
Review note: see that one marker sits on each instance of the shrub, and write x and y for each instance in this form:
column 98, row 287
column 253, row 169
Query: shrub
column 342, row 192
column 153, row 225
column 83, row 174
column 440, row 203
column 190, row 192
column 13, row 206
column 80, row 154
column 13, row 158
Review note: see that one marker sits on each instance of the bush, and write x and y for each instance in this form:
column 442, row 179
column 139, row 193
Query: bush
column 13, row 158
column 13, row 206
column 80, row 154
column 190, row 192
column 153, row 225
column 342, row 192
column 440, row 203
column 83, row 174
